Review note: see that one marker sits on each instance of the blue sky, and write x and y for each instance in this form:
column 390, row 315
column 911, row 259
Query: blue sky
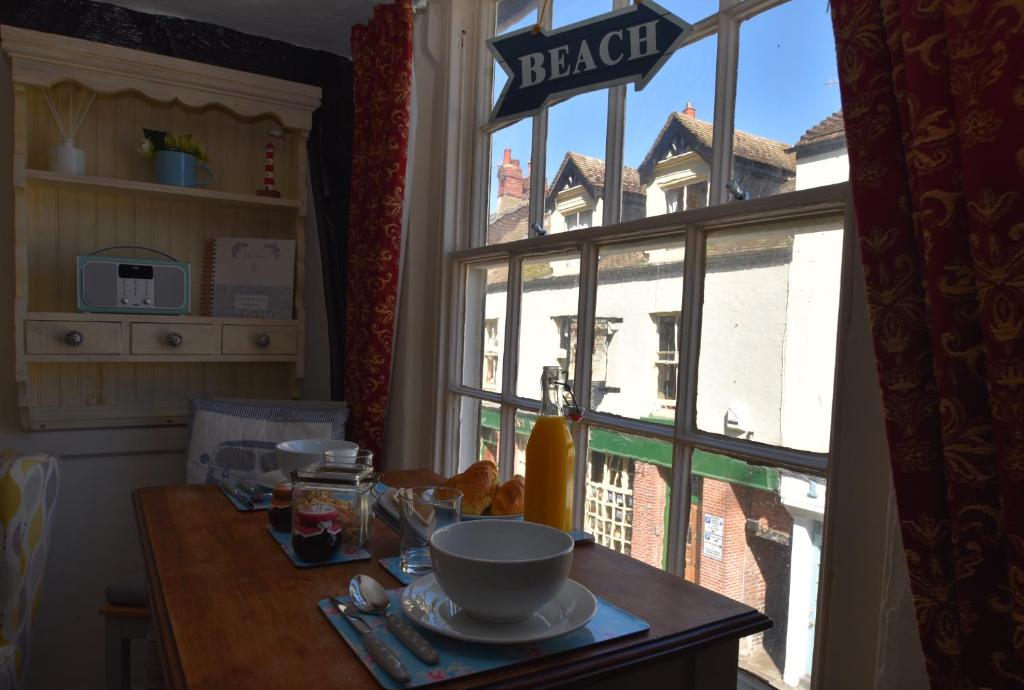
column 787, row 83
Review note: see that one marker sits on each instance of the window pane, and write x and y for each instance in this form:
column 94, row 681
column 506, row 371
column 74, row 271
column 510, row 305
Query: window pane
column 547, row 333
column 768, row 340
column 669, row 132
column 755, row 536
column 691, row 10
column 524, row 425
column 789, row 126
column 511, row 15
column 575, row 161
column 627, row 489
column 508, row 207
column 484, row 328
column 636, row 330
column 479, row 431
column 565, row 12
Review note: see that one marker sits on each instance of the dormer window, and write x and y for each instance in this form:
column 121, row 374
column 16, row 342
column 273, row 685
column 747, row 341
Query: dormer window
column 578, row 221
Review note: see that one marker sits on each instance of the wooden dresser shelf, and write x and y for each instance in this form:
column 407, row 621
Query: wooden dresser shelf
column 74, row 370
column 108, row 184
column 142, row 338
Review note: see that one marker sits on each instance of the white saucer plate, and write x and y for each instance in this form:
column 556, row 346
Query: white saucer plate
column 426, row 604
column 268, row 480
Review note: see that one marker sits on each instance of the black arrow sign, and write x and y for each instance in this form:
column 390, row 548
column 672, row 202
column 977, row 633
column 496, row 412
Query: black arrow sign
column 629, row 44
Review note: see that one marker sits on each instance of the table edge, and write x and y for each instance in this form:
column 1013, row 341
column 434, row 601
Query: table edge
column 622, row 658
column 174, row 674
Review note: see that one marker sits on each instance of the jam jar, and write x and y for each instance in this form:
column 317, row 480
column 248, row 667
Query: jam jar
column 280, row 512
column 331, row 509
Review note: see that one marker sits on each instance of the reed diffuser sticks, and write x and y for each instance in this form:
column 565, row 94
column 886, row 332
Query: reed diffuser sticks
column 70, row 122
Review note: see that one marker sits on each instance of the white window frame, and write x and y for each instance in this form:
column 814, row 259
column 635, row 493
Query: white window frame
column 693, row 226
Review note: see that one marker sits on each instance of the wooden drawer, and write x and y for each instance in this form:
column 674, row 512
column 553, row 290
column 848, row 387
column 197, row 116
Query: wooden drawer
column 156, row 339
column 56, row 337
column 261, row 340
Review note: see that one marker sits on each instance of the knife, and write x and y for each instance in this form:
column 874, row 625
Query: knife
column 411, row 639
column 378, row 650
column 247, row 502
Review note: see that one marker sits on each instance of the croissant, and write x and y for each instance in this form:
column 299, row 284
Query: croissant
column 477, row 485
column 508, row 498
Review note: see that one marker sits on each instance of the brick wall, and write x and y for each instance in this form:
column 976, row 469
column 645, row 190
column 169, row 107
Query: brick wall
column 753, row 570
column 650, row 487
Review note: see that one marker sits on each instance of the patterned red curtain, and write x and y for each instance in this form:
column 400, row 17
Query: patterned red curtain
column 933, row 100
column 382, row 86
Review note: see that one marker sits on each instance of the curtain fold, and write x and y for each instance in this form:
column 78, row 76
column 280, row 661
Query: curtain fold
column 933, row 101
column 382, row 77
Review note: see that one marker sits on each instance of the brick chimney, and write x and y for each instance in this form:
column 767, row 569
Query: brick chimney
column 511, row 185
column 690, row 111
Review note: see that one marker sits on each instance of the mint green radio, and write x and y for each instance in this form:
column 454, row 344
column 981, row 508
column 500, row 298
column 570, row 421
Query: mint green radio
column 123, row 285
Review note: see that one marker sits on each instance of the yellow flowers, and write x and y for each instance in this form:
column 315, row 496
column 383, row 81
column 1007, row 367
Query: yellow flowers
column 155, row 140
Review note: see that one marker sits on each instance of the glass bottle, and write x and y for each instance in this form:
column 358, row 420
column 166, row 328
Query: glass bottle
column 550, row 456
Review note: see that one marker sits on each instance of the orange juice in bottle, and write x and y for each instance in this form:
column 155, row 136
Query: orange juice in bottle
column 549, row 459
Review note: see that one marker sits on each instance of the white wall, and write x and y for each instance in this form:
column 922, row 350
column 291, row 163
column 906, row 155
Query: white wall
column 822, row 169
column 810, row 350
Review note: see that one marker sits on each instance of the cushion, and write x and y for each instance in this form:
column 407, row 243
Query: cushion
column 234, row 439
column 28, row 496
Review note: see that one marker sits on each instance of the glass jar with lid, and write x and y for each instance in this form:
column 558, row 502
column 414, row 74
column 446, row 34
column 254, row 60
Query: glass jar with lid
column 332, row 506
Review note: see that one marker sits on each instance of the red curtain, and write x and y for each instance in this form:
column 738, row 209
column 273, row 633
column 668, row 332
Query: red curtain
column 933, row 101
column 382, row 85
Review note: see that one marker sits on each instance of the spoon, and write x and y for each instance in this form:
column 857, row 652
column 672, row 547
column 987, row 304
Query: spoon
column 369, row 596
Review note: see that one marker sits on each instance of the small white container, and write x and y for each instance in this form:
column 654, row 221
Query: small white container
column 66, row 158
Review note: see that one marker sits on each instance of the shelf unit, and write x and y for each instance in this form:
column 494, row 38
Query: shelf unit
column 123, row 371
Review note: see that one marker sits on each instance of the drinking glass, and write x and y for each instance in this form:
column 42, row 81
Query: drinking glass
column 422, row 511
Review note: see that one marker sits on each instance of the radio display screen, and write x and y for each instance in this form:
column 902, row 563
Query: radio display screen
column 134, row 272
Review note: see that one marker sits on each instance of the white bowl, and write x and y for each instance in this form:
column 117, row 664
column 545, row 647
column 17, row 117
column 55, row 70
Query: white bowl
column 294, row 455
column 500, row 570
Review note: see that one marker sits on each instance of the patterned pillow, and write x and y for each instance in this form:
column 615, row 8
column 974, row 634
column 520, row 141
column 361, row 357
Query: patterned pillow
column 234, row 439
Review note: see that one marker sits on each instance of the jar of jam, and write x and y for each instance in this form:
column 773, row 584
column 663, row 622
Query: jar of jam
column 316, row 534
column 331, row 509
column 280, row 512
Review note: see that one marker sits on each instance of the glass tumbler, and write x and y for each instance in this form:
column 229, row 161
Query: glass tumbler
column 422, row 511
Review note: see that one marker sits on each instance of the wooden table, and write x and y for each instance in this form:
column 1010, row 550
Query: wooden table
column 233, row 612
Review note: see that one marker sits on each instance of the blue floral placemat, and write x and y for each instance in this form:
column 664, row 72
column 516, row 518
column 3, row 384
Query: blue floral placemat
column 262, row 503
column 459, row 658
column 284, row 540
column 394, row 566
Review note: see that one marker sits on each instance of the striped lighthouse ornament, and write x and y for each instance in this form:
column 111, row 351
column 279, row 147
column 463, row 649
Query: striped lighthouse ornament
column 268, row 167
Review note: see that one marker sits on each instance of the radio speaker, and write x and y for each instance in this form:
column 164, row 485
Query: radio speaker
column 99, row 283
column 170, row 287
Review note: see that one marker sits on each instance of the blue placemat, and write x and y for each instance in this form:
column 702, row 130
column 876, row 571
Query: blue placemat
column 284, row 540
column 459, row 658
column 258, row 504
column 394, row 566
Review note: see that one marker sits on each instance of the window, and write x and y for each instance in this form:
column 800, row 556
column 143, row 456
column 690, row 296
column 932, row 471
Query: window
column 668, row 356
column 490, row 354
column 694, row 195
column 580, row 220
column 701, row 344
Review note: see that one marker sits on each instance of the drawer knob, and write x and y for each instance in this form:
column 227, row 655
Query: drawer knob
column 263, row 340
column 174, row 339
column 74, row 338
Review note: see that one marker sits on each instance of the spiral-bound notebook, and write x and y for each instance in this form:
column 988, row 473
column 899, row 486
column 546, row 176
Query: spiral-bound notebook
column 248, row 277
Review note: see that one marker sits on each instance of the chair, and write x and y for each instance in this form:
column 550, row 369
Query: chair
column 228, row 438
column 28, row 496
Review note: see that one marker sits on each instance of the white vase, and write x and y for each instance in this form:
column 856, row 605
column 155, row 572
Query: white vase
column 65, row 158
